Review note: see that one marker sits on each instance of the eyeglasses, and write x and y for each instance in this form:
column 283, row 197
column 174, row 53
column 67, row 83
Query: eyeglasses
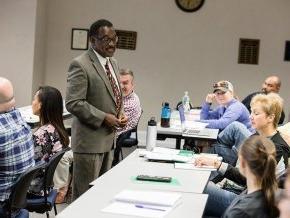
column 106, row 40
column 221, row 84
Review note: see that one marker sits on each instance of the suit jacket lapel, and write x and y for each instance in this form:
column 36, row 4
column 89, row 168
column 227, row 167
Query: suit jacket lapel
column 100, row 70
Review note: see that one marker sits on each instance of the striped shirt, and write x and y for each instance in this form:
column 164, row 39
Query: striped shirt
column 16, row 150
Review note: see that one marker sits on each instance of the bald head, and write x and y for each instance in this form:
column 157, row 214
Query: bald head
column 271, row 84
column 7, row 100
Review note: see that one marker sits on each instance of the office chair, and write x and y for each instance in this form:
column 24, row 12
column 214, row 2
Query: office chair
column 44, row 204
column 128, row 142
column 17, row 198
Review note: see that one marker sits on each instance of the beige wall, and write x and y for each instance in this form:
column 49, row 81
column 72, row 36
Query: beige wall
column 176, row 51
column 17, row 26
column 39, row 46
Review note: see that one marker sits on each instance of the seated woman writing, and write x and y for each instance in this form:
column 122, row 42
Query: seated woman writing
column 266, row 110
column 257, row 166
column 51, row 136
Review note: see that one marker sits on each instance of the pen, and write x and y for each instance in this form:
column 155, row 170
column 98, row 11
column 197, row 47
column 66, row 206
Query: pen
column 149, row 208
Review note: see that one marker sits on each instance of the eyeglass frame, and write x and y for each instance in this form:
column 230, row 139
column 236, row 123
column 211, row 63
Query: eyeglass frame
column 108, row 40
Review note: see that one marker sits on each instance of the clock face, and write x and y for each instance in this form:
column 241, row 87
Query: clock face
column 189, row 5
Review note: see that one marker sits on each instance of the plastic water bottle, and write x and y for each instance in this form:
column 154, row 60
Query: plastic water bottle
column 186, row 102
column 151, row 134
column 165, row 115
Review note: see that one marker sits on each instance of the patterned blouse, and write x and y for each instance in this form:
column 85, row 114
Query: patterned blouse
column 46, row 144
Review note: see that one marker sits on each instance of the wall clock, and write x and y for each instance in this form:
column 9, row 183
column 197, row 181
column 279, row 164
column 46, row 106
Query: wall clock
column 189, row 5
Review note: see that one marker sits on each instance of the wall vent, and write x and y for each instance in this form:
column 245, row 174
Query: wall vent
column 249, row 51
column 127, row 39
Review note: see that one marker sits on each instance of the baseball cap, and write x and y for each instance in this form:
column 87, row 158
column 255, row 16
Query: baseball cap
column 223, row 86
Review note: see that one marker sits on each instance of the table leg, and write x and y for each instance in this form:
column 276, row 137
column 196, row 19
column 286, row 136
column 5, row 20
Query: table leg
column 178, row 143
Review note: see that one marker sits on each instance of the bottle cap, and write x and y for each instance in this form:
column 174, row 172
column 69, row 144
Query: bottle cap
column 166, row 104
column 152, row 122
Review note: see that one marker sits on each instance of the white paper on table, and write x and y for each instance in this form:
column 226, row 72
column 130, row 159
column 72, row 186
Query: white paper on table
column 28, row 116
column 175, row 124
column 153, row 203
column 190, row 166
column 165, row 150
column 131, row 209
column 156, row 198
column 195, row 125
column 168, row 157
column 143, row 153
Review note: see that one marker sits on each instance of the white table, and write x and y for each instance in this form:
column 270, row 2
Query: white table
column 175, row 131
column 90, row 204
column 119, row 178
column 189, row 181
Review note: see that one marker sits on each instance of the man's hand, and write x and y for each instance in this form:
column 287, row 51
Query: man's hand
column 207, row 161
column 210, row 98
column 123, row 120
column 112, row 121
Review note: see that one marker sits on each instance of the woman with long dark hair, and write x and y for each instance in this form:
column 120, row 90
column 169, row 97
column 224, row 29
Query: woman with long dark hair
column 51, row 136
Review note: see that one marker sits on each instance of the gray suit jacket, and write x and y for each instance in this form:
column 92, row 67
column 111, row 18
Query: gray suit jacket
column 89, row 96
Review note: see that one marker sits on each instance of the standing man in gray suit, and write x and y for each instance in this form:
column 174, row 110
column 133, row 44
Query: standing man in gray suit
column 94, row 98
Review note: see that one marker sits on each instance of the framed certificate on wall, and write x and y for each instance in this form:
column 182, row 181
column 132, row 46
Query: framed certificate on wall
column 79, row 39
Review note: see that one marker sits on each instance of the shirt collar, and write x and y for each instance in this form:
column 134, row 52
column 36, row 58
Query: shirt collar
column 102, row 60
column 130, row 95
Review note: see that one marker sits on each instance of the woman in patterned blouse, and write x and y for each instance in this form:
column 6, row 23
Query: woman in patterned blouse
column 51, row 136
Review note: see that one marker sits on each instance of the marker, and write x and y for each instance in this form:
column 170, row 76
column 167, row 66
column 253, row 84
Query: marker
column 149, row 208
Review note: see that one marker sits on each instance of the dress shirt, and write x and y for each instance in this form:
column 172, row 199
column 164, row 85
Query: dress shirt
column 16, row 150
column 103, row 62
column 132, row 110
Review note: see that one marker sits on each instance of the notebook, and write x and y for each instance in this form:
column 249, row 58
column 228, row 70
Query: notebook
column 143, row 203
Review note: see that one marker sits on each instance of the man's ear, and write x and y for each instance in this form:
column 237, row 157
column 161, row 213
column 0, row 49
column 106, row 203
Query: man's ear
column 92, row 40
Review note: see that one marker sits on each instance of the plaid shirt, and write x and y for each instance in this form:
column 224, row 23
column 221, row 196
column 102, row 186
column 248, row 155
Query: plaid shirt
column 132, row 110
column 16, row 150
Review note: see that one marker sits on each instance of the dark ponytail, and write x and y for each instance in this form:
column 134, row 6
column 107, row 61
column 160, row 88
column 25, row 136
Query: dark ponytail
column 259, row 153
column 269, row 184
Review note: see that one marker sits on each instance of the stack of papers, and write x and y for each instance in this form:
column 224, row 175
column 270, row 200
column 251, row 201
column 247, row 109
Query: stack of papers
column 143, row 203
column 169, row 155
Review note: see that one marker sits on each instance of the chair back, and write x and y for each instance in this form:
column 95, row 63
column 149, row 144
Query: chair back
column 129, row 142
column 19, row 190
column 50, row 168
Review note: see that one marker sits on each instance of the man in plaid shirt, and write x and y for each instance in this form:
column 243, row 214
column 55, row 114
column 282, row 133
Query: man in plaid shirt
column 132, row 110
column 16, row 144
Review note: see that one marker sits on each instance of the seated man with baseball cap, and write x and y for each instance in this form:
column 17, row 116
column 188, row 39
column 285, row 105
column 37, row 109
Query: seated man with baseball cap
column 228, row 110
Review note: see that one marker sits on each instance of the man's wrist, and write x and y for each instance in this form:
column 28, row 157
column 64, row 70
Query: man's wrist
column 217, row 163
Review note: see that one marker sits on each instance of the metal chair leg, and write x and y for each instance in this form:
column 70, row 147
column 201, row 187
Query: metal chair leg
column 55, row 211
column 121, row 152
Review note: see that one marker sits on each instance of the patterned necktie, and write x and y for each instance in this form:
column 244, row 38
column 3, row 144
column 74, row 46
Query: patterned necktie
column 114, row 86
